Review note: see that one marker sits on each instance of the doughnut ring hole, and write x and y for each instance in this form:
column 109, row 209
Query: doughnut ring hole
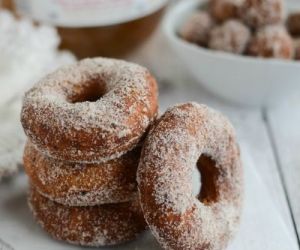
column 207, row 173
column 90, row 91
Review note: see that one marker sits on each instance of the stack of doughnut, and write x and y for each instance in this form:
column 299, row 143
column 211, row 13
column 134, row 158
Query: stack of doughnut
column 85, row 124
column 246, row 27
column 102, row 167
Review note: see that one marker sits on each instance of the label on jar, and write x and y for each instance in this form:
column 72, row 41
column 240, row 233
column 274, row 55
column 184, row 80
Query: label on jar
column 87, row 13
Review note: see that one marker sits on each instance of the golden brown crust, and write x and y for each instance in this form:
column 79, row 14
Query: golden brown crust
column 92, row 111
column 76, row 184
column 177, row 218
column 103, row 225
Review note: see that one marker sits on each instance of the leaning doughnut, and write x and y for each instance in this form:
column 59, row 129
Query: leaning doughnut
column 93, row 111
column 103, row 225
column 75, row 184
column 185, row 136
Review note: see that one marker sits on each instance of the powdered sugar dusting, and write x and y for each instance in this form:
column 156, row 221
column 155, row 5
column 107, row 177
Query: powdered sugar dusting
column 88, row 226
column 172, row 148
column 90, row 131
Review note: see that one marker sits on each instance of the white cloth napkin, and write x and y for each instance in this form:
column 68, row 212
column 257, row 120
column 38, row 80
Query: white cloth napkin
column 12, row 139
column 27, row 52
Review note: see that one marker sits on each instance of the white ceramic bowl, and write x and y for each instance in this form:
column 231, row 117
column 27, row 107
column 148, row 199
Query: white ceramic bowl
column 240, row 79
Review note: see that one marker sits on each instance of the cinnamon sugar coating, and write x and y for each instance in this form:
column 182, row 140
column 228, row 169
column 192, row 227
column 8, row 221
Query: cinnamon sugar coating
column 258, row 13
column 93, row 111
column 272, row 41
column 104, row 225
column 79, row 184
column 177, row 218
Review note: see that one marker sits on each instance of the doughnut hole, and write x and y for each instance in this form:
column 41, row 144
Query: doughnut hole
column 232, row 36
column 205, row 180
column 258, row 13
column 272, row 41
column 90, row 91
column 196, row 28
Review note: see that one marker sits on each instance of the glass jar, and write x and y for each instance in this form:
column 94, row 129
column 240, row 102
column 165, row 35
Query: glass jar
column 89, row 28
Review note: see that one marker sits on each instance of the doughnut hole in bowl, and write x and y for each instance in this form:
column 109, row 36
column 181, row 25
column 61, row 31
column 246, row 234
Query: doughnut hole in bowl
column 240, row 79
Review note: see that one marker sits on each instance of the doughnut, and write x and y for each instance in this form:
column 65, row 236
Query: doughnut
column 104, row 225
column 223, row 10
column 272, row 41
column 258, row 13
column 196, row 28
column 293, row 24
column 93, row 111
column 186, row 136
column 232, row 36
column 76, row 184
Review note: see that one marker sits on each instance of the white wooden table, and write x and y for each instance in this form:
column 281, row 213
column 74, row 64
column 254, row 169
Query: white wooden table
column 272, row 134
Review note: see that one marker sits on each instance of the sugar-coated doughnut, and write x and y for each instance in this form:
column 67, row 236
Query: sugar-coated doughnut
column 103, row 225
column 185, row 136
column 79, row 184
column 92, row 111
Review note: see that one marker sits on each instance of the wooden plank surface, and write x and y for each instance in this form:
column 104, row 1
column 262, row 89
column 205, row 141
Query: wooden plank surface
column 284, row 123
